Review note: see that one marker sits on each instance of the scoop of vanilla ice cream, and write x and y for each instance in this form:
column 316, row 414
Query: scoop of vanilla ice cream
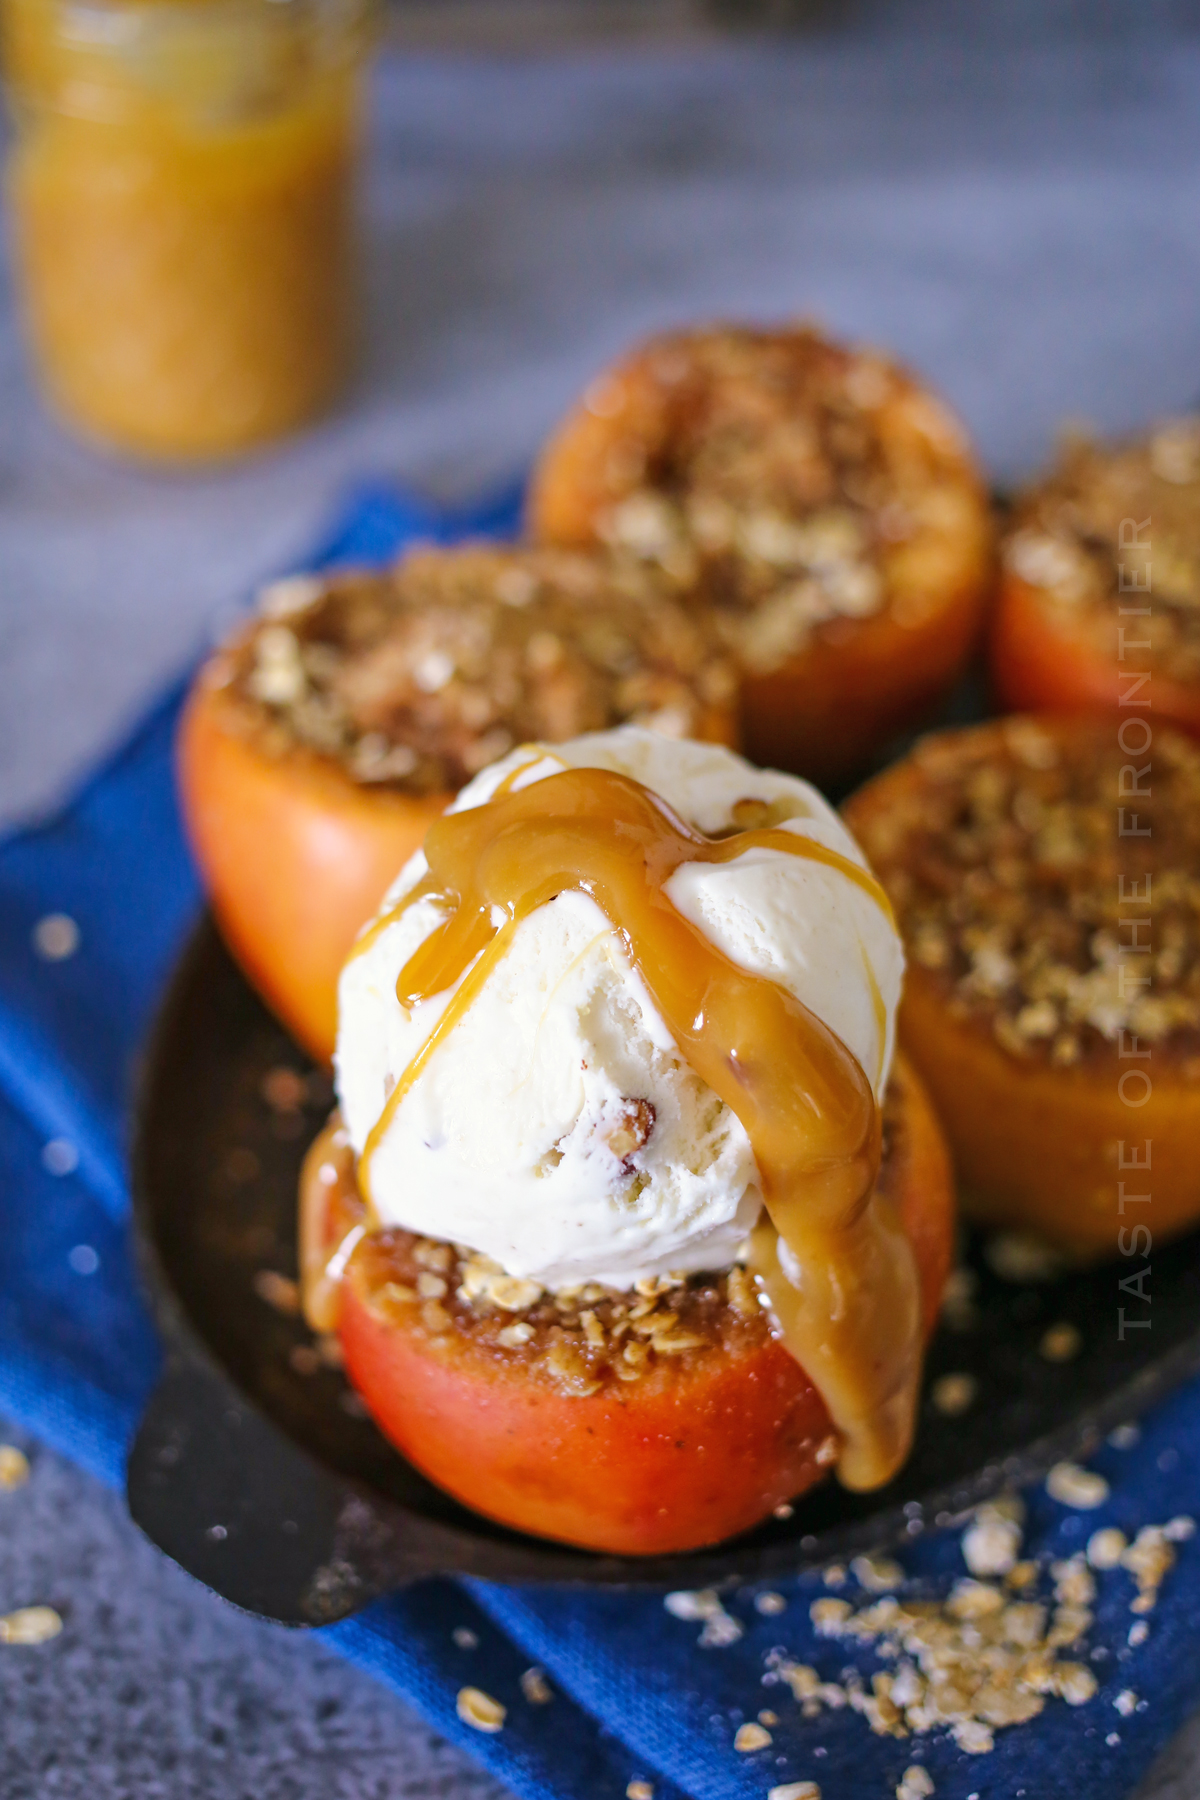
column 557, row 1129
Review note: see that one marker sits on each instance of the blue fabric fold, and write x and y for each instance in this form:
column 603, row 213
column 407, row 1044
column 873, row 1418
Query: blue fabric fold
column 637, row 1697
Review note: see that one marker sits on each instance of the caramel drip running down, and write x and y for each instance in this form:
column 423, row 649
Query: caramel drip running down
column 851, row 1314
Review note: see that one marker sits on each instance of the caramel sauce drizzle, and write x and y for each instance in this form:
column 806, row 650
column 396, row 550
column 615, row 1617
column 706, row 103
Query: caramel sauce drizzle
column 851, row 1317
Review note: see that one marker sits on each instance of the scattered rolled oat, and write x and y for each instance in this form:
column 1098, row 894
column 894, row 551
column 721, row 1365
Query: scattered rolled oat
column 1124, row 1437
column 877, row 1574
column 1061, row 1343
column 992, row 1543
column 14, row 1468
column 1138, row 1633
column 479, row 1710
column 1179, row 1529
column 536, row 1688
column 974, row 1662
column 1017, row 1256
column 1148, row 1559
column 973, row 1736
column 829, row 1616
column 1106, row 1547
column 689, row 1603
column 283, row 1089
column 465, row 1638
column 720, row 1628
column 1126, row 1702
column 1072, row 1486
column 640, row 1790
column 954, row 1394
column 56, row 937
column 30, row 1625
column 917, row 1784
column 795, row 1790
column 769, row 1604
column 1076, row 1683
column 767, row 1717
column 751, row 1737
column 279, row 1291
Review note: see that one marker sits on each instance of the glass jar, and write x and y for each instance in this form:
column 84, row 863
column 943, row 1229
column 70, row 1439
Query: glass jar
column 180, row 189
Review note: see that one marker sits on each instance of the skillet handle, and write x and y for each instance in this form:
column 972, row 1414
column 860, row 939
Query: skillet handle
column 242, row 1508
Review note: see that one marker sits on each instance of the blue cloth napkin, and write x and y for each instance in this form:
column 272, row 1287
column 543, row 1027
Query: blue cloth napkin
column 94, row 906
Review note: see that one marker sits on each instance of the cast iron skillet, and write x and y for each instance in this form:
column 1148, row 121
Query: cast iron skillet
column 258, row 1472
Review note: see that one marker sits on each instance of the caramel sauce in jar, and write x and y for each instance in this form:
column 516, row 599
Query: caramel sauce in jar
column 180, row 194
column 838, row 1270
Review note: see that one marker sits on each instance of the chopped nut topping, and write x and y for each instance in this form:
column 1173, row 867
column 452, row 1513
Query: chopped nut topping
column 1025, row 905
column 419, row 676
column 632, row 1129
column 1071, row 539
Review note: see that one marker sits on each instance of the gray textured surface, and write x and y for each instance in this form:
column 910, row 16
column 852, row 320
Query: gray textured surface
column 1021, row 219
column 157, row 1690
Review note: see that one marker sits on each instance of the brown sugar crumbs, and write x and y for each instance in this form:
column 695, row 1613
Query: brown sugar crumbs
column 418, row 676
column 1016, row 893
column 772, row 486
column 1118, row 526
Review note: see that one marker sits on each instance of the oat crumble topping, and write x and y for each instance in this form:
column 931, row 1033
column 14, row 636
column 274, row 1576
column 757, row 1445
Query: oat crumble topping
column 418, row 676
column 1014, row 891
column 579, row 1339
column 1066, row 539
column 773, row 487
